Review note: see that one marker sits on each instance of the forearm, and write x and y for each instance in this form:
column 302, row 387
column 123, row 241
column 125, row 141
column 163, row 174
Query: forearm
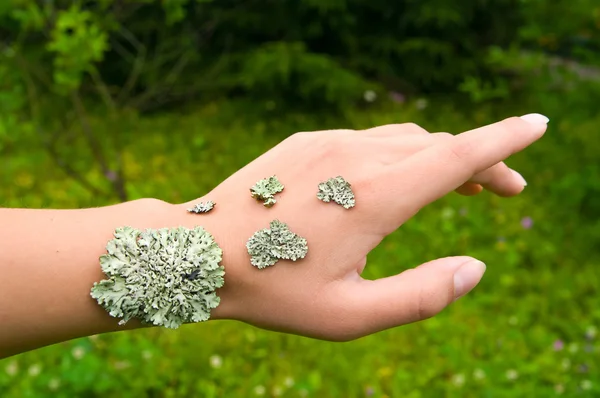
column 49, row 262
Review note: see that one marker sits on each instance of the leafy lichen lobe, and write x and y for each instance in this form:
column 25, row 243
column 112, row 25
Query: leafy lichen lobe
column 163, row 277
column 266, row 189
column 202, row 207
column 338, row 190
column 269, row 245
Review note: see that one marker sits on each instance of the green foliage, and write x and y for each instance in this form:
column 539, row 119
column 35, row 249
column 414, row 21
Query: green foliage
column 146, row 53
column 77, row 43
column 279, row 69
column 12, row 100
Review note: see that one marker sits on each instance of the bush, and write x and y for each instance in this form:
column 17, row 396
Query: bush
column 149, row 53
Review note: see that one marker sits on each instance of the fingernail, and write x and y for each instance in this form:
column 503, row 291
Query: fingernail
column 519, row 177
column 467, row 276
column 535, row 118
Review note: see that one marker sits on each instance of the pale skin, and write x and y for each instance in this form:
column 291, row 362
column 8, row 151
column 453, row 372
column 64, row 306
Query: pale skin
column 49, row 258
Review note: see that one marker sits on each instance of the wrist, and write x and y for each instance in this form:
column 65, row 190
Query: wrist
column 219, row 225
column 226, row 226
column 161, row 271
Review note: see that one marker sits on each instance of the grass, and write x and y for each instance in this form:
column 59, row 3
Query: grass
column 529, row 329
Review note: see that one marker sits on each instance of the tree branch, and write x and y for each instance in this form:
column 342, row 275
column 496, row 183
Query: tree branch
column 66, row 168
column 96, row 148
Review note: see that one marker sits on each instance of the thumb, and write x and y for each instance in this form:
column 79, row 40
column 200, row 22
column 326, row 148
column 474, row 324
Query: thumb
column 418, row 293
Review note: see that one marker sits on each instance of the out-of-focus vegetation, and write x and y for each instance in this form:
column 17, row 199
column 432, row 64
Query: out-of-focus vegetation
column 113, row 100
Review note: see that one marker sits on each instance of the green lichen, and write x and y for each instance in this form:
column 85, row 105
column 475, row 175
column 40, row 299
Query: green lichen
column 338, row 190
column 163, row 277
column 266, row 189
column 269, row 245
column 202, row 207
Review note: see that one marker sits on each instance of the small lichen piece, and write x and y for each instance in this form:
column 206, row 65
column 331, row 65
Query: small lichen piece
column 202, row 207
column 266, row 189
column 164, row 277
column 338, row 190
column 269, row 245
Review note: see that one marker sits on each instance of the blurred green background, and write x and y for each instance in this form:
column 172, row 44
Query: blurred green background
column 112, row 100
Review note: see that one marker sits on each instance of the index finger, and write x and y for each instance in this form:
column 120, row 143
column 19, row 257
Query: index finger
column 438, row 170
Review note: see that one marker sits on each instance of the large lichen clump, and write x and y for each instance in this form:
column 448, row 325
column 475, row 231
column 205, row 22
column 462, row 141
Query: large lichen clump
column 269, row 245
column 163, row 277
column 266, row 189
column 338, row 190
column 202, row 207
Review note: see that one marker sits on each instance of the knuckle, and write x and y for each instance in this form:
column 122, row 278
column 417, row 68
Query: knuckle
column 424, row 309
column 428, row 304
column 513, row 126
column 413, row 127
column 397, row 129
column 341, row 131
column 514, row 123
column 507, row 126
column 459, row 150
column 301, row 136
column 385, row 129
column 330, row 147
column 426, row 301
column 304, row 139
column 442, row 136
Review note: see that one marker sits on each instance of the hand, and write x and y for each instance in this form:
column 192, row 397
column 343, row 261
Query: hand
column 395, row 170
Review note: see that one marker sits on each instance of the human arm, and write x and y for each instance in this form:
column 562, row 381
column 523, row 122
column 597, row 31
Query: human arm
column 49, row 262
column 49, row 258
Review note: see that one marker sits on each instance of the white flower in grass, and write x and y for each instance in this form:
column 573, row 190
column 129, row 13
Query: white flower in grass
column 448, row 213
column 573, row 348
column 78, row 352
column 512, row 374
column 288, row 382
column 421, row 104
column 12, row 368
column 586, row 385
column 147, row 355
column 53, row 384
column 34, row 370
column 260, row 390
column 478, row 374
column 120, row 365
column 458, row 380
column 559, row 389
column 277, row 391
column 370, row 95
column 9, row 51
column 591, row 332
column 216, row 361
